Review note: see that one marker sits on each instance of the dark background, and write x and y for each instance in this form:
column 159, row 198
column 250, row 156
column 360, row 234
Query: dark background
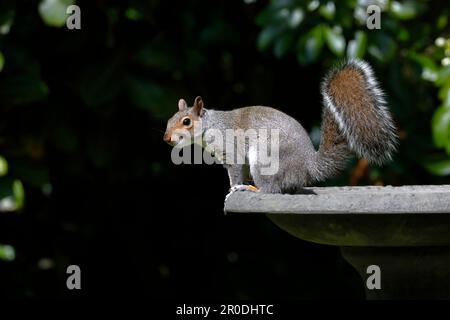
column 83, row 112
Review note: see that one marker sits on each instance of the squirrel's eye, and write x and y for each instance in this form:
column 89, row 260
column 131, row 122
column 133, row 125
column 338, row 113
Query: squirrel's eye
column 186, row 121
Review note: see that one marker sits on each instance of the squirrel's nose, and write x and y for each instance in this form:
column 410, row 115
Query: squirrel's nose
column 166, row 137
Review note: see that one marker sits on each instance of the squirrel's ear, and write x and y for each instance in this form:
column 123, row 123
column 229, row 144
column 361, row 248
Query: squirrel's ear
column 198, row 105
column 182, row 105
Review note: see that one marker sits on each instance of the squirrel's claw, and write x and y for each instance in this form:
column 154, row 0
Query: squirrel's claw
column 241, row 187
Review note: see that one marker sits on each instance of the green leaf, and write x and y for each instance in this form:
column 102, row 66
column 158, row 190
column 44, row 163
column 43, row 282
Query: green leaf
column 429, row 67
column 3, row 167
column 383, row 47
column 405, row 10
column 444, row 95
column 7, row 252
column 2, row 61
column 310, row 45
column 296, row 17
column 19, row 194
column 266, row 37
column 441, row 128
column 328, row 10
column 403, row 34
column 424, row 61
column 442, row 21
column 133, row 14
column 6, row 20
column 53, row 12
column 283, row 44
column 443, row 76
column 438, row 167
column 12, row 195
column 335, row 40
column 356, row 48
column 313, row 5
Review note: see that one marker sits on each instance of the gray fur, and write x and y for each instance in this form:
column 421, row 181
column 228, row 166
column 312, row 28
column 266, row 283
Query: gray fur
column 296, row 149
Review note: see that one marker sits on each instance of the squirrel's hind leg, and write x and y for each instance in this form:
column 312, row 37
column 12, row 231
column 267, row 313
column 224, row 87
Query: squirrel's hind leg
column 265, row 183
column 287, row 180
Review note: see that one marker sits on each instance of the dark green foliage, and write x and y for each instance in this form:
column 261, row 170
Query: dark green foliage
column 86, row 178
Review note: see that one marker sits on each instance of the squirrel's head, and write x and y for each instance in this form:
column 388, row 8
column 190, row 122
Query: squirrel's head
column 186, row 124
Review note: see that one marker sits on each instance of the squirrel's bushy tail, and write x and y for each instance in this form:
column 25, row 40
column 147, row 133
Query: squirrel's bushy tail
column 355, row 118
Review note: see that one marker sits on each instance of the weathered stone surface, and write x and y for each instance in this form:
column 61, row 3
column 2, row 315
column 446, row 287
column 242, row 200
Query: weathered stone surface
column 356, row 216
column 403, row 230
column 346, row 200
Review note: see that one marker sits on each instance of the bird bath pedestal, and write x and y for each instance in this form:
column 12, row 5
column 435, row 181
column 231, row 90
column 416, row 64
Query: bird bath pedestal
column 403, row 230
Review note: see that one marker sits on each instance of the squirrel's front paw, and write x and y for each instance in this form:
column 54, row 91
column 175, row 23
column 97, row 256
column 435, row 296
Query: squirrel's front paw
column 241, row 187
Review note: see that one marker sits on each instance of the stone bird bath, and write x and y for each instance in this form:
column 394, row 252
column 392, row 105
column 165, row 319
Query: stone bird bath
column 403, row 230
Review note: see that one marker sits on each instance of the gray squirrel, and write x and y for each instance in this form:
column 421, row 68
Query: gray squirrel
column 355, row 119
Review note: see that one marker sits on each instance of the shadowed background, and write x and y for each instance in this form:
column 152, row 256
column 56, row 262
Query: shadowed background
column 86, row 179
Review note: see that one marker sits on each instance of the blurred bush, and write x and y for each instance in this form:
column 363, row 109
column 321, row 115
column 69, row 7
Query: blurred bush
column 81, row 111
column 409, row 50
